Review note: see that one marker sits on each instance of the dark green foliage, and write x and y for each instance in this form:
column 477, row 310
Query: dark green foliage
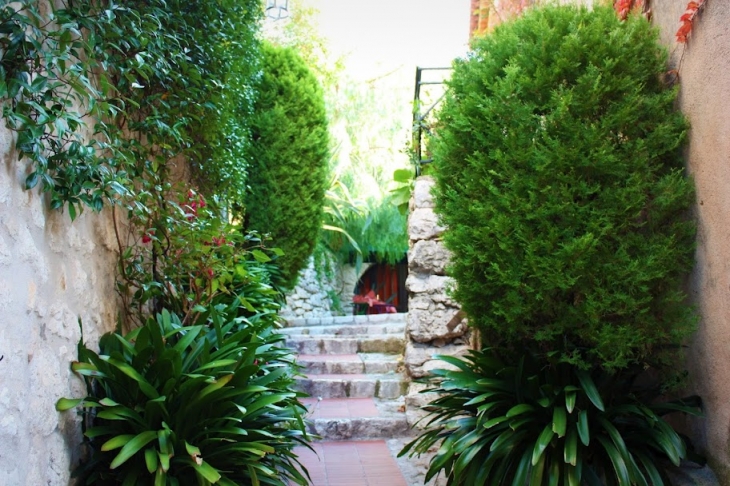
column 375, row 230
column 559, row 176
column 161, row 80
column 539, row 421
column 288, row 173
column 186, row 405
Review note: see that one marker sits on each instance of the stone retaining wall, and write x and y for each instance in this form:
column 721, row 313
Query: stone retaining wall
column 318, row 295
column 53, row 273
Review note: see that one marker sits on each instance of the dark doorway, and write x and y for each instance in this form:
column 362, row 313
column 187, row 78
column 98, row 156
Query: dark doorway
column 387, row 283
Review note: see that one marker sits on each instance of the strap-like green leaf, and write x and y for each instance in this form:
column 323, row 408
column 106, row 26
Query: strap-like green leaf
column 541, row 444
column 519, row 409
column 64, row 404
column 619, row 465
column 570, row 451
column 523, row 468
column 150, row 459
column 132, row 447
column 560, row 420
column 570, row 400
column 144, row 385
column 583, row 432
column 590, row 389
column 116, row 442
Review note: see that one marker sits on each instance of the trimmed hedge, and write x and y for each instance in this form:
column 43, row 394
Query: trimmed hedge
column 289, row 163
column 560, row 178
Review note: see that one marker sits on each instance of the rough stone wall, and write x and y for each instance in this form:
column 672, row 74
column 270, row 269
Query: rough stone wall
column 318, row 295
column 434, row 324
column 52, row 273
column 704, row 87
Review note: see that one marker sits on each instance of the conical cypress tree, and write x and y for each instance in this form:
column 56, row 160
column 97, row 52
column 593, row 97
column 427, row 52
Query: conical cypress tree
column 560, row 178
column 290, row 153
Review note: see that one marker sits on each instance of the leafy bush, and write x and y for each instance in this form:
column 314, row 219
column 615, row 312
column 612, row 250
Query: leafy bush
column 540, row 421
column 289, row 157
column 187, row 256
column 161, row 80
column 560, row 178
column 189, row 405
column 371, row 230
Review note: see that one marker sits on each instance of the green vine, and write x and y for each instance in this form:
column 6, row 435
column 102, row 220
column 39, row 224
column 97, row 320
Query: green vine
column 151, row 81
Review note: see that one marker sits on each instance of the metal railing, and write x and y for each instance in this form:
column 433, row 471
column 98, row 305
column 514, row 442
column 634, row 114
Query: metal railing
column 422, row 109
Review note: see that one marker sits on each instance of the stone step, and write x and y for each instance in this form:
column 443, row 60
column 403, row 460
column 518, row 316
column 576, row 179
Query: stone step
column 330, row 344
column 389, row 385
column 346, row 320
column 357, row 418
column 317, row 364
column 353, row 330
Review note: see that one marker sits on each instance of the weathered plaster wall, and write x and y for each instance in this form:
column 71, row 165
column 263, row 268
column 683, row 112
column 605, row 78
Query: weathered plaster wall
column 704, row 84
column 52, row 272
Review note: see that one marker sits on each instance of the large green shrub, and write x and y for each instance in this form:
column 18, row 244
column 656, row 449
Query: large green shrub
column 538, row 421
column 289, row 159
column 559, row 176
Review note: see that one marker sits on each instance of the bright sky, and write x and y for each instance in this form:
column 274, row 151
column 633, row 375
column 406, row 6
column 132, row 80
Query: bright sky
column 381, row 35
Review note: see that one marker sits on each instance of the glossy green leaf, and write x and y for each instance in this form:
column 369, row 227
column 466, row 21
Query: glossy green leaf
column 150, row 459
column 570, row 450
column 519, row 410
column 570, row 397
column 582, row 425
column 132, row 447
column 543, row 441
column 590, row 389
column 64, row 404
column 560, row 421
column 619, row 465
column 116, row 442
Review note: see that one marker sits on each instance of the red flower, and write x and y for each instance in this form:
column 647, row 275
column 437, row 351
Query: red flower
column 210, row 273
column 147, row 236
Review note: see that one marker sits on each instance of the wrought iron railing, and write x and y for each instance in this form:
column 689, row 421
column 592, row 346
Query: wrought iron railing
column 424, row 101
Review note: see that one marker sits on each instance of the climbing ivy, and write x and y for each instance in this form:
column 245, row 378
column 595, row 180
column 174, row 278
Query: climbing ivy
column 153, row 80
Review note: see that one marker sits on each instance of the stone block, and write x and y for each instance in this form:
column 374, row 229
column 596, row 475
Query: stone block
column 423, row 224
column 428, row 256
column 429, row 321
column 419, row 283
column 419, row 358
column 422, row 197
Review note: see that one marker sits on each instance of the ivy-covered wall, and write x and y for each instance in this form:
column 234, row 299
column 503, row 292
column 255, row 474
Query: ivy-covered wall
column 52, row 273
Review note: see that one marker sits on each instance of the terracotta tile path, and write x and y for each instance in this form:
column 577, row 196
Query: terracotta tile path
column 336, row 408
column 351, row 463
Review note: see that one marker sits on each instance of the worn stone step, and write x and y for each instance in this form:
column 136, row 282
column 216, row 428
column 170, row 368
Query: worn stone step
column 352, row 330
column 329, row 344
column 346, row 320
column 357, row 418
column 317, row 364
column 389, row 385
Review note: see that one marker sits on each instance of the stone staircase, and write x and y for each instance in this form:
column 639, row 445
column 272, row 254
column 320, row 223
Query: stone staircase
column 353, row 374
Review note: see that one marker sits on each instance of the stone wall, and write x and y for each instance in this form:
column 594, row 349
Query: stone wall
column 435, row 324
column 52, row 273
column 323, row 294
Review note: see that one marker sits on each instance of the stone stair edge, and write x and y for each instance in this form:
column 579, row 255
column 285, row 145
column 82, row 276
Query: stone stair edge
column 354, row 319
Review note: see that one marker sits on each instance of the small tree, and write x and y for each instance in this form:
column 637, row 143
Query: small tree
column 288, row 172
column 560, row 178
